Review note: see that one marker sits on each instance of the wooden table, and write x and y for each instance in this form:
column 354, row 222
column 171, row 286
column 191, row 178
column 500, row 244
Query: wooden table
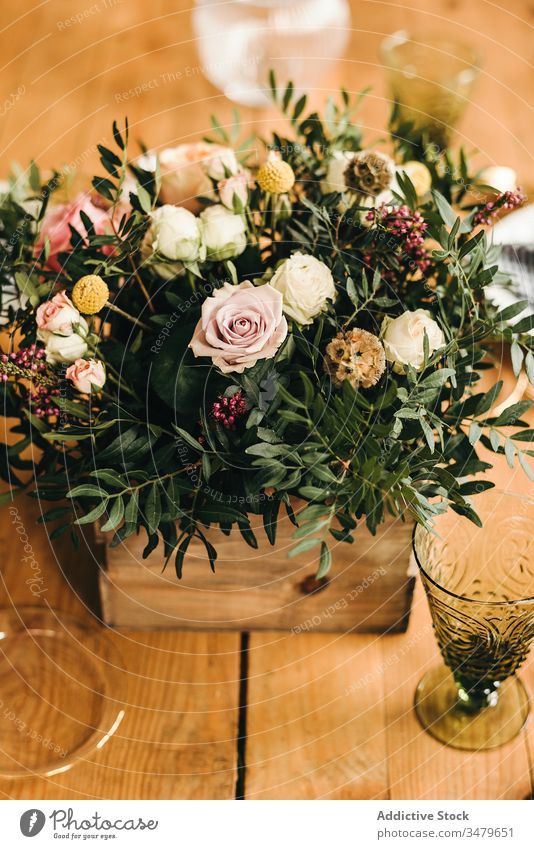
column 272, row 715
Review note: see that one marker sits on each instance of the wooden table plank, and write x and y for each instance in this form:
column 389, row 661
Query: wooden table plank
column 315, row 722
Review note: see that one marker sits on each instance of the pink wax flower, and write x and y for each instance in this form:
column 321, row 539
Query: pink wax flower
column 228, row 409
column 240, row 325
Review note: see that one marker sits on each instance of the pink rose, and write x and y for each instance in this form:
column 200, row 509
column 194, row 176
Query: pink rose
column 239, row 326
column 55, row 226
column 86, row 375
column 57, row 315
column 186, row 171
column 236, row 185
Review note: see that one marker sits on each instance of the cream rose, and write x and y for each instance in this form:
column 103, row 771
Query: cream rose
column 174, row 234
column 86, row 375
column 61, row 327
column 403, row 338
column 186, row 171
column 306, row 284
column 63, row 349
column 225, row 234
column 240, row 325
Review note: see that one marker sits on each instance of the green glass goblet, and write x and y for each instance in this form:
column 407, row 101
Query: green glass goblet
column 430, row 80
column 479, row 584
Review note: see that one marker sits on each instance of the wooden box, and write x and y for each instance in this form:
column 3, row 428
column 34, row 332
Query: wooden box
column 369, row 588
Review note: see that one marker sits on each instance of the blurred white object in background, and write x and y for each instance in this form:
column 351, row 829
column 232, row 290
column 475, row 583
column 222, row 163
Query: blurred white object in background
column 515, row 234
column 499, row 177
column 239, row 42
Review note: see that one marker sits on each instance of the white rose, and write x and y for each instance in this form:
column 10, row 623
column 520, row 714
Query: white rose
column 174, row 234
column 403, row 338
column 63, row 349
column 305, row 284
column 225, row 233
column 499, row 177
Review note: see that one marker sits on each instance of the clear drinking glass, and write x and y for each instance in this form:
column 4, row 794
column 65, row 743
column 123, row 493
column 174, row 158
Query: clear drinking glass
column 479, row 584
column 62, row 691
column 239, row 42
column 430, row 80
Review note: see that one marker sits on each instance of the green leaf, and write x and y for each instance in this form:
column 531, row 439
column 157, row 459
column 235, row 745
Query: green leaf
column 180, row 554
column 524, row 435
column 495, row 439
column 304, row 545
column 445, row 210
column 108, row 476
column 264, row 449
column 87, row 489
column 475, row 487
column 299, row 107
column 525, row 465
column 512, row 413
column 152, row 508
column 115, row 515
column 475, row 432
column 467, row 511
column 529, row 367
column 325, row 561
column 144, row 199
column 288, row 94
column 93, row 515
column 272, row 85
column 437, row 378
column 190, row 440
column 524, row 324
column 516, row 352
column 509, row 451
column 132, row 509
column 351, row 292
column 488, row 399
column 429, row 435
column 511, row 311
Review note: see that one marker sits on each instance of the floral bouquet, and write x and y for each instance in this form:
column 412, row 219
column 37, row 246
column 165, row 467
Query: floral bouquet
column 209, row 333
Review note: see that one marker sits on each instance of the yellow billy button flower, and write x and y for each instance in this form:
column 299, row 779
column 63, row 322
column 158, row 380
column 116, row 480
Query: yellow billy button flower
column 275, row 177
column 90, row 294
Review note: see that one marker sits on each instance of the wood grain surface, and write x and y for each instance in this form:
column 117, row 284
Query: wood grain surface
column 329, row 716
column 370, row 590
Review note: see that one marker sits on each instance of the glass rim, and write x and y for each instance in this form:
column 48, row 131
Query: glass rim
column 519, row 496
column 430, row 40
